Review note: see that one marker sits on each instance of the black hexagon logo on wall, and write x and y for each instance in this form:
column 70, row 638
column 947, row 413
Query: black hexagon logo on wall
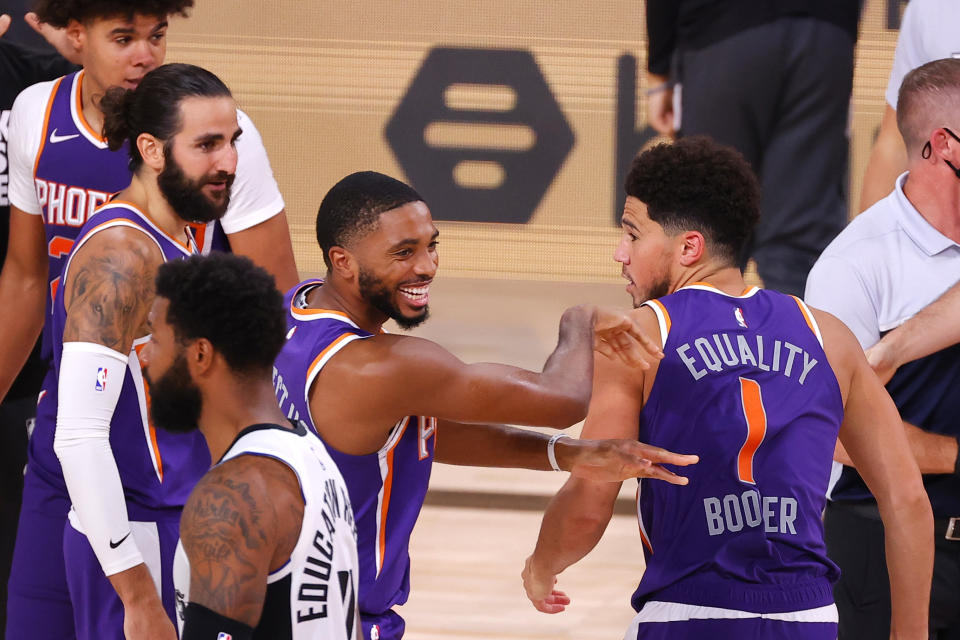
column 526, row 173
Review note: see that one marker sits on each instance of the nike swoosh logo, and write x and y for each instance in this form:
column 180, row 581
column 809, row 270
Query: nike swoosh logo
column 114, row 545
column 54, row 139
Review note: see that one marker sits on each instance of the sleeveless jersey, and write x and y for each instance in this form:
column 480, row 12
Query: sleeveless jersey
column 386, row 488
column 745, row 384
column 158, row 469
column 314, row 595
column 74, row 173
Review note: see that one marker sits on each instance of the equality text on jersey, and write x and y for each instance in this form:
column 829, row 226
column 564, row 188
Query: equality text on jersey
column 722, row 351
column 67, row 205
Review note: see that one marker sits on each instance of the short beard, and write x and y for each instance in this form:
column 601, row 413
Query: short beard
column 175, row 402
column 373, row 291
column 185, row 195
column 657, row 290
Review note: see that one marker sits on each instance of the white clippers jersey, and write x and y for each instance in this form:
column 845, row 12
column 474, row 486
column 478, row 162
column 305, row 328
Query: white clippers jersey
column 314, row 595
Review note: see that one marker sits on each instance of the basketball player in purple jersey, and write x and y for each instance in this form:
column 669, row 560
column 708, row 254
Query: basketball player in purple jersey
column 759, row 385
column 127, row 481
column 386, row 404
column 61, row 168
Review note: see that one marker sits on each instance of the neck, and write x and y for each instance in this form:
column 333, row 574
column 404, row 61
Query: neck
column 234, row 405
column 90, row 94
column 726, row 278
column 339, row 296
column 146, row 195
column 935, row 193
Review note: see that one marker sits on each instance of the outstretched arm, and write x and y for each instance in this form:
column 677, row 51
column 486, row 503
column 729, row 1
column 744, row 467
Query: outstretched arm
column 935, row 327
column 384, row 378
column 873, row 436
column 241, row 521
column 609, row 460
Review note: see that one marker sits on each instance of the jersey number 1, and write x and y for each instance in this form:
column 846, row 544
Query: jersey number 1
column 756, row 417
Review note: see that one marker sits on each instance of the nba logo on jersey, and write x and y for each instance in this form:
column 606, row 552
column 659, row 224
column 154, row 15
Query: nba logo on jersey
column 101, row 378
column 224, row 636
column 375, row 632
column 738, row 314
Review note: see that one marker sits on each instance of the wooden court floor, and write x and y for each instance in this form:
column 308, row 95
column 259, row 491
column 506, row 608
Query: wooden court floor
column 480, row 524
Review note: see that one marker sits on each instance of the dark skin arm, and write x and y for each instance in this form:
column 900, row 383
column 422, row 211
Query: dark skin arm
column 607, row 460
column 373, row 383
column 241, row 522
column 23, row 291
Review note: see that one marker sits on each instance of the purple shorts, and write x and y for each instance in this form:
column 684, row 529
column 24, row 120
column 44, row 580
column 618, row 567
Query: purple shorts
column 98, row 612
column 385, row 626
column 38, row 602
column 673, row 621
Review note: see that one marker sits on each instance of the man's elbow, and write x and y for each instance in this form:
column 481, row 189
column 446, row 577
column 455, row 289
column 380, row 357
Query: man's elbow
column 569, row 409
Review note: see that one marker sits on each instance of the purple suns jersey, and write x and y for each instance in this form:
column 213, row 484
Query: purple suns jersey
column 74, row 174
column 745, row 384
column 386, row 488
column 157, row 469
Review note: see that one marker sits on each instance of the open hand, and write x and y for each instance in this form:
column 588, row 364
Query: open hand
column 540, row 590
column 618, row 460
column 618, row 334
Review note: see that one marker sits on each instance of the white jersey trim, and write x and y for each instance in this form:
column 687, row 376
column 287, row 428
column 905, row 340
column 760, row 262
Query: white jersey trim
column 656, row 611
column 750, row 292
column 661, row 320
column 813, row 321
column 78, row 120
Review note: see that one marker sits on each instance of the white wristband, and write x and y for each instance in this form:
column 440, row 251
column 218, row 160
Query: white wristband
column 551, row 455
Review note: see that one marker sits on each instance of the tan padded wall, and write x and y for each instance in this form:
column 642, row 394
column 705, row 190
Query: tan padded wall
column 321, row 79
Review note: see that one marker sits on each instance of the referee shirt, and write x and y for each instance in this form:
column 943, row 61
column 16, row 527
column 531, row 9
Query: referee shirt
column 928, row 32
column 887, row 265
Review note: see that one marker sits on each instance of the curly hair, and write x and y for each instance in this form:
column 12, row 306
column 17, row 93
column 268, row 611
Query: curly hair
column 698, row 184
column 58, row 13
column 352, row 207
column 229, row 301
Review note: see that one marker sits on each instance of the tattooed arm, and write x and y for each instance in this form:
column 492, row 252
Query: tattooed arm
column 107, row 292
column 242, row 521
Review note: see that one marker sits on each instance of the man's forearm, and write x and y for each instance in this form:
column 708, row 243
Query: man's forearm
column 935, row 327
column 934, row 453
column 488, row 445
column 573, row 524
column 21, row 316
column 908, row 534
column 569, row 369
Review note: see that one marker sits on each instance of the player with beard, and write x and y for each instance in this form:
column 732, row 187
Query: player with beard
column 271, row 521
column 761, row 385
column 128, row 482
column 378, row 400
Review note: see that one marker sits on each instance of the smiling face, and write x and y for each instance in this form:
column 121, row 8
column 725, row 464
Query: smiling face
column 397, row 263
column 201, row 159
column 118, row 51
column 645, row 252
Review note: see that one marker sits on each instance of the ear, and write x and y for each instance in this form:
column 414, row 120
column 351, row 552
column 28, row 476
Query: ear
column 151, row 150
column 343, row 263
column 940, row 143
column 76, row 34
column 693, row 247
column 200, row 357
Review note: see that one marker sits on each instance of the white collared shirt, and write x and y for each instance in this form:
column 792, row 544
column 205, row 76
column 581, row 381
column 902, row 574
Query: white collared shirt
column 883, row 268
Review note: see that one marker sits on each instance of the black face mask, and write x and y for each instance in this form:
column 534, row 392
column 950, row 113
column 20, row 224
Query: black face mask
column 927, row 150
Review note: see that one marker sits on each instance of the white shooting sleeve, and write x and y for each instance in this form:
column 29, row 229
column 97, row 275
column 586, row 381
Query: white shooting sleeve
column 91, row 376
